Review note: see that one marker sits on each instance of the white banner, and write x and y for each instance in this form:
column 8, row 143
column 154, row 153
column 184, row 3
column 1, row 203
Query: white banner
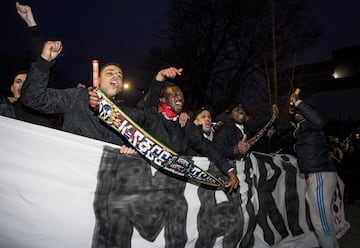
column 47, row 185
column 62, row 190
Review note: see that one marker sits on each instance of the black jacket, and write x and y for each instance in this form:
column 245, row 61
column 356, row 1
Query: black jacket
column 19, row 111
column 27, row 114
column 174, row 137
column 228, row 135
column 79, row 118
column 311, row 147
column 6, row 107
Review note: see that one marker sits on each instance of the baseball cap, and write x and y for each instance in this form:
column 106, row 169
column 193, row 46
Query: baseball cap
column 232, row 106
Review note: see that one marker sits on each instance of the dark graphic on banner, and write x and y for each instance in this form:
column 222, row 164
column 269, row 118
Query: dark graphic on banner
column 130, row 197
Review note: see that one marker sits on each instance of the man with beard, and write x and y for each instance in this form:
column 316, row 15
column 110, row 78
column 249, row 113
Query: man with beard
column 231, row 139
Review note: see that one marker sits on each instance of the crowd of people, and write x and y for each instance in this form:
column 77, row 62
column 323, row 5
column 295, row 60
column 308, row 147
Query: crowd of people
column 346, row 157
column 197, row 132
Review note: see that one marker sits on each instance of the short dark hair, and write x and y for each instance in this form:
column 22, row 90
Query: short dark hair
column 20, row 72
column 166, row 85
column 108, row 64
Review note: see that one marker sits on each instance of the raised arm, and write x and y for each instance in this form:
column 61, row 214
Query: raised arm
column 307, row 112
column 35, row 92
column 36, row 39
column 26, row 14
column 153, row 95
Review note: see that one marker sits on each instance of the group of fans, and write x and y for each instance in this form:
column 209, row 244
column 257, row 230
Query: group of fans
column 198, row 132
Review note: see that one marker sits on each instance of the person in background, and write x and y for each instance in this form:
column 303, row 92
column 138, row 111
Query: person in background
column 349, row 170
column 314, row 161
column 203, row 117
column 80, row 85
column 231, row 138
column 16, row 86
column 7, row 103
column 336, row 152
column 12, row 106
column 271, row 142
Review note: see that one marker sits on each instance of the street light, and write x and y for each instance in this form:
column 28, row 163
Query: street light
column 126, row 85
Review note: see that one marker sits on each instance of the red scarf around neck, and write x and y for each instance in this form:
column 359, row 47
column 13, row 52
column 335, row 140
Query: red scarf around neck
column 167, row 112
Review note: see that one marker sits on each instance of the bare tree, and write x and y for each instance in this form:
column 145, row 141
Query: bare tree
column 222, row 46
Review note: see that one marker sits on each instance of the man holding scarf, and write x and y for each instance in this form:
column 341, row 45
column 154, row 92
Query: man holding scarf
column 162, row 122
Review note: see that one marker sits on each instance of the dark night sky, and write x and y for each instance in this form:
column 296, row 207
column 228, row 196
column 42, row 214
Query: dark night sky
column 111, row 31
column 122, row 31
column 340, row 23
